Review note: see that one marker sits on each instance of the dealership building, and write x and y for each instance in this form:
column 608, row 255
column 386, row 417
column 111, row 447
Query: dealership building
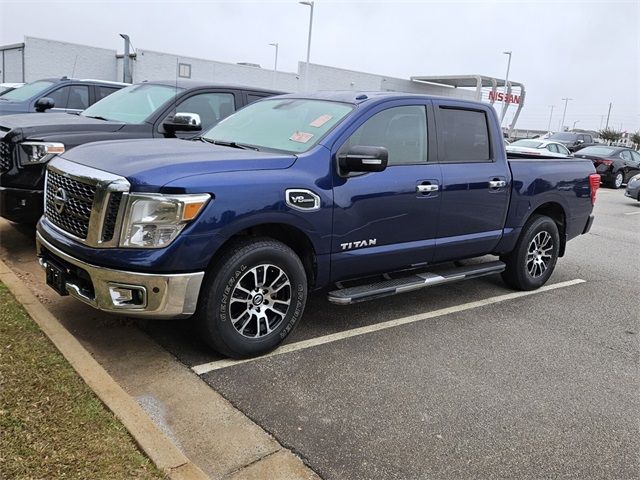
column 37, row 58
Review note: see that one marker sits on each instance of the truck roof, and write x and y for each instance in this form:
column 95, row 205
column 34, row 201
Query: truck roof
column 360, row 97
column 188, row 84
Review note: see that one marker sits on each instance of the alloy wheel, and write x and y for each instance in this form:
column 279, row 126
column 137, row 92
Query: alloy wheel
column 539, row 254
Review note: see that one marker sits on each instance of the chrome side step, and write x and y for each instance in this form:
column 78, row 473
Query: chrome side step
column 392, row 286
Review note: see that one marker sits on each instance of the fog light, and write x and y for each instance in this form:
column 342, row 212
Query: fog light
column 128, row 296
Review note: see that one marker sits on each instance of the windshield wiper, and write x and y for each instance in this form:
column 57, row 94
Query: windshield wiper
column 226, row 143
column 96, row 117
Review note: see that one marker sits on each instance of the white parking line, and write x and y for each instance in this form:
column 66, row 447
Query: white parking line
column 632, row 213
column 314, row 342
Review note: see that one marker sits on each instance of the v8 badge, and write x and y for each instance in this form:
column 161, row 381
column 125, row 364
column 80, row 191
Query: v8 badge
column 302, row 199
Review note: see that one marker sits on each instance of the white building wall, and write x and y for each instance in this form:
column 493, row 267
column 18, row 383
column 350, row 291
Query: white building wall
column 49, row 58
column 12, row 60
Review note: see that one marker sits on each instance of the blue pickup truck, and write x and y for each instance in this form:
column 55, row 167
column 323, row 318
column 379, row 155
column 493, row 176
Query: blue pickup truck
column 361, row 194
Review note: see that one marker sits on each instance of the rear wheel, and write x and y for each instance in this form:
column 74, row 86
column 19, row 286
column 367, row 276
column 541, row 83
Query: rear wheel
column 617, row 180
column 253, row 298
column 534, row 258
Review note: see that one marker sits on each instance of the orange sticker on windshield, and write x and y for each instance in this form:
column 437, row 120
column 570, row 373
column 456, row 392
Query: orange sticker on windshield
column 321, row 120
column 301, row 137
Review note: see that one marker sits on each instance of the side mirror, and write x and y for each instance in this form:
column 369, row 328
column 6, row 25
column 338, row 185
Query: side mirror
column 363, row 159
column 579, row 142
column 183, row 122
column 44, row 103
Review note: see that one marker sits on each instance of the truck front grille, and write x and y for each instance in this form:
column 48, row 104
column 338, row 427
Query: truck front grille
column 69, row 203
column 6, row 152
column 85, row 202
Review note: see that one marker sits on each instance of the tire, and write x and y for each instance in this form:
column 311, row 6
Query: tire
column 617, row 180
column 260, row 275
column 526, row 268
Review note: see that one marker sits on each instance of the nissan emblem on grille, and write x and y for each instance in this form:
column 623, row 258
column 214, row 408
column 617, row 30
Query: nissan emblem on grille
column 60, row 200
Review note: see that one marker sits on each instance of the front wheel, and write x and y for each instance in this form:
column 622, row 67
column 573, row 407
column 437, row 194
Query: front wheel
column 253, row 298
column 532, row 261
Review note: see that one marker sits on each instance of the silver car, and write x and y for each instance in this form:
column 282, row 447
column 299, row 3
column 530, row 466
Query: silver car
column 633, row 188
column 539, row 147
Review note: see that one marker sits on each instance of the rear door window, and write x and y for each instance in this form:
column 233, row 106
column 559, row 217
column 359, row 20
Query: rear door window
column 102, row 92
column 212, row 107
column 464, row 135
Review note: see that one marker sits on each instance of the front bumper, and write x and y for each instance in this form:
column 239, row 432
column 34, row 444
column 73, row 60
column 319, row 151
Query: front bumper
column 158, row 296
column 21, row 205
column 633, row 192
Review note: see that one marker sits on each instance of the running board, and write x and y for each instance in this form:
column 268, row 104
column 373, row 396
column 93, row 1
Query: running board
column 385, row 288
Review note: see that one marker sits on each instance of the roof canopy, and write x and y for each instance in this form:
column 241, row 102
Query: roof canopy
column 472, row 81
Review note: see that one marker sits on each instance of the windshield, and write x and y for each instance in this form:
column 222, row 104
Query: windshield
column 596, row 151
column 563, row 136
column 289, row 124
column 27, row 91
column 132, row 104
column 527, row 143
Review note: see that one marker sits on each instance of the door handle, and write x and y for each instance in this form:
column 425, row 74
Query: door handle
column 428, row 188
column 497, row 183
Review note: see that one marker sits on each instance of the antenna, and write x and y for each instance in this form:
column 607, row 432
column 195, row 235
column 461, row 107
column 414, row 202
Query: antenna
column 73, row 74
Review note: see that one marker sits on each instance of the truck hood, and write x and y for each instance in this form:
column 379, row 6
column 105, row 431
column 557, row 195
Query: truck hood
column 35, row 124
column 150, row 164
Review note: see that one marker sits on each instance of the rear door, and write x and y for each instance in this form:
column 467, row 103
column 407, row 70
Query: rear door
column 70, row 98
column 476, row 181
column 387, row 220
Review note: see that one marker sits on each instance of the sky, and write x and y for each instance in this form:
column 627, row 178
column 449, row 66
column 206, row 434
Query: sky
column 588, row 51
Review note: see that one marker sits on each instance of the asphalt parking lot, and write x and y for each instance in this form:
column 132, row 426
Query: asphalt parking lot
column 523, row 386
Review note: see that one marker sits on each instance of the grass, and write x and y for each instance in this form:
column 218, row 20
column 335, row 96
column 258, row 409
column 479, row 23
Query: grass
column 52, row 426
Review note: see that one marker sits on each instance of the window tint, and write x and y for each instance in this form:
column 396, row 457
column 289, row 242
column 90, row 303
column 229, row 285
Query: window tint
column 212, row 107
column 401, row 130
column 102, row 92
column 625, row 155
column 465, row 135
column 588, row 139
column 552, row 148
column 252, row 97
column 71, row 96
column 636, row 156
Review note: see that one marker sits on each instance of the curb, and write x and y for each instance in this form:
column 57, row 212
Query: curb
column 155, row 444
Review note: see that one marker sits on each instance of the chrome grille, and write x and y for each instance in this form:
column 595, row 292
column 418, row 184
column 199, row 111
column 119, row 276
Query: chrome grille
column 6, row 150
column 111, row 216
column 76, row 214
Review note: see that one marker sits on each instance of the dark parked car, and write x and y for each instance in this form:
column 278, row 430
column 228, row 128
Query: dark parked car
column 144, row 110
column 615, row 165
column 574, row 141
column 56, row 95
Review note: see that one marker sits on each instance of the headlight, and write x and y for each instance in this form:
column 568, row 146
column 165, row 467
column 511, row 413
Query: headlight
column 39, row 152
column 155, row 220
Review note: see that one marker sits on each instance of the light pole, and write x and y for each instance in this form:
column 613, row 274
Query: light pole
column 606, row 127
column 550, row 117
column 566, row 101
column 306, row 70
column 505, row 104
column 574, row 125
column 275, row 64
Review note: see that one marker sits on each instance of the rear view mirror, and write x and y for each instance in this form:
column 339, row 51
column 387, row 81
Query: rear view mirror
column 183, row 122
column 44, row 103
column 363, row 159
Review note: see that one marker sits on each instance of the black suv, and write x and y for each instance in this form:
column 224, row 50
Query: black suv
column 144, row 110
column 574, row 141
column 56, row 95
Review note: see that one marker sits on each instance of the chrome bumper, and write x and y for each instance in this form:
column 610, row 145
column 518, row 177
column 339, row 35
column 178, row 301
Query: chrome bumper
column 159, row 296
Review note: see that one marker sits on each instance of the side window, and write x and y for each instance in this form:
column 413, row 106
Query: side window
column 588, row 139
column 102, row 92
column 581, row 137
column 212, row 107
column 401, row 130
column 252, row 97
column 464, row 134
column 562, row 149
column 626, row 155
column 71, row 96
column 636, row 157
column 552, row 148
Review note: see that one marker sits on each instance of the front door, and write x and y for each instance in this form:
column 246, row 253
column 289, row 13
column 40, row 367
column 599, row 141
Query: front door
column 476, row 181
column 387, row 220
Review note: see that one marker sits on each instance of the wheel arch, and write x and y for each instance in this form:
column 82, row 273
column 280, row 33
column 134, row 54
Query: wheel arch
column 292, row 236
column 556, row 212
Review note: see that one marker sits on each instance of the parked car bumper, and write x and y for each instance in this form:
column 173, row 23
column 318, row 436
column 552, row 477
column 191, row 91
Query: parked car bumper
column 633, row 190
column 21, row 205
column 159, row 296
